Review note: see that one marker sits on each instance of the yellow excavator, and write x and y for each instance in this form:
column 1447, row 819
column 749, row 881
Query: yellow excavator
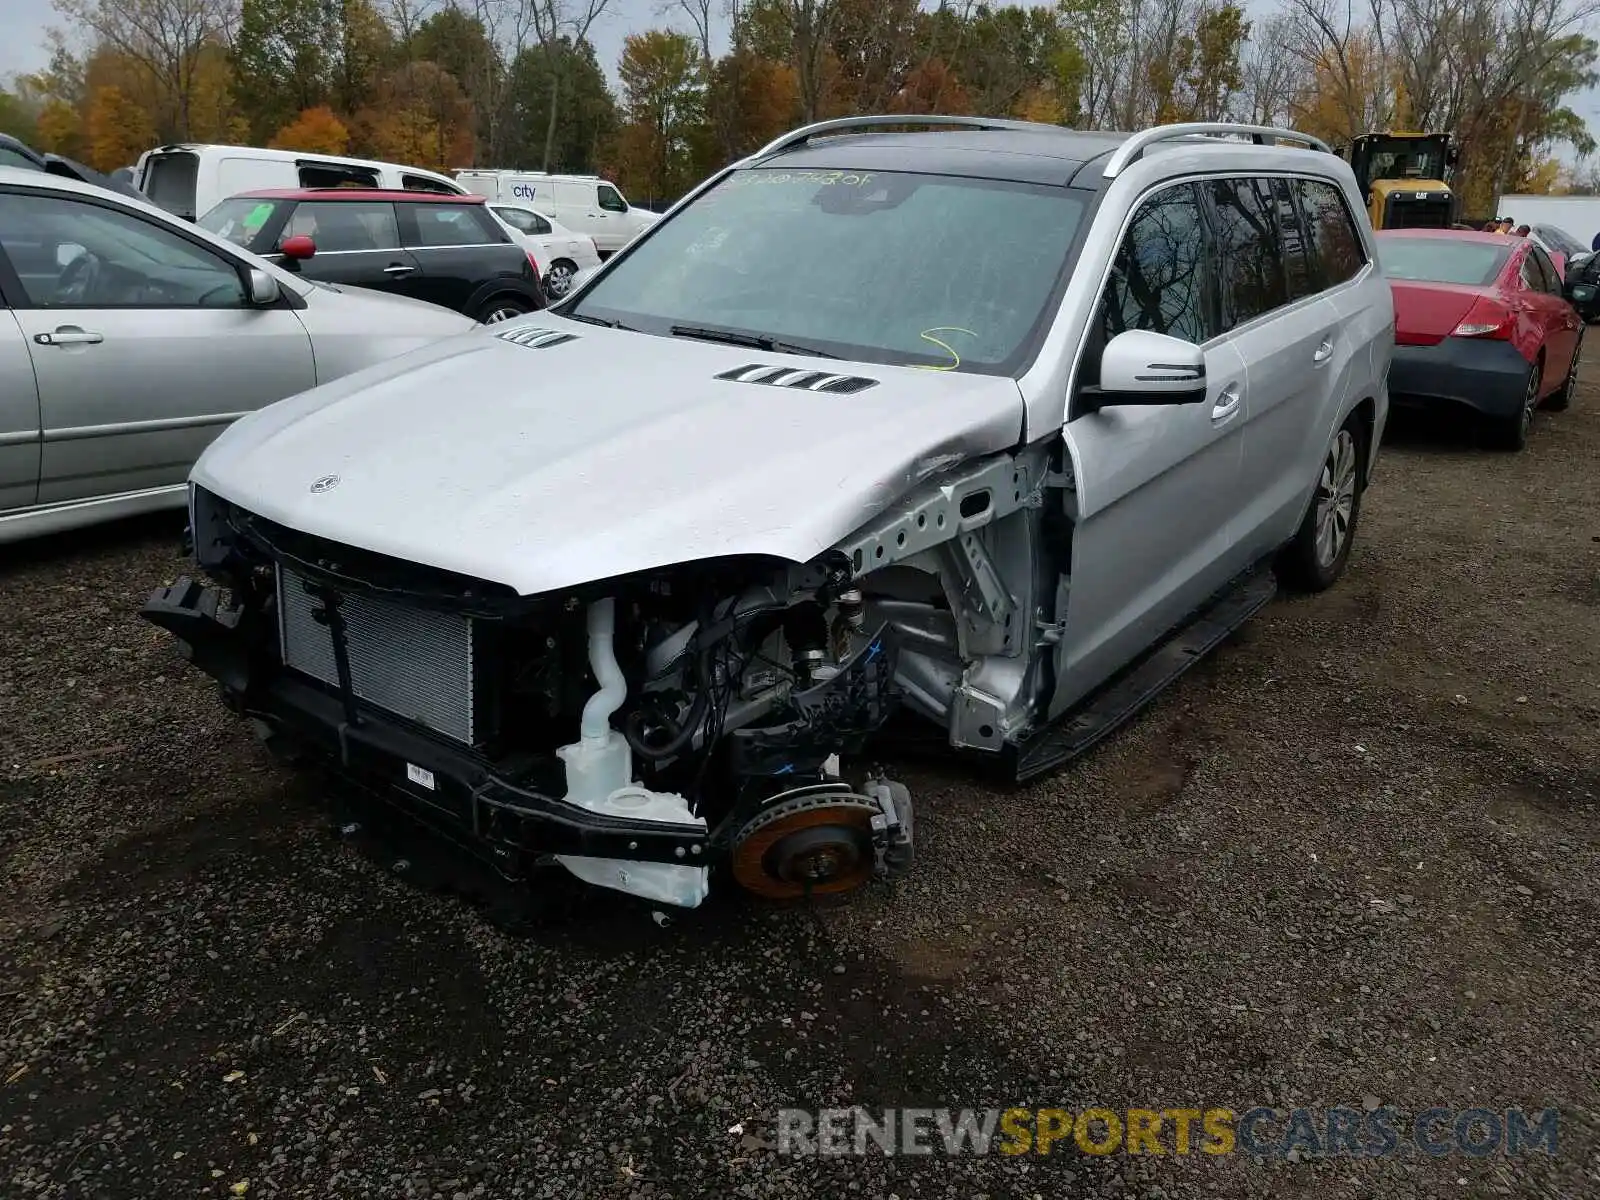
column 1403, row 176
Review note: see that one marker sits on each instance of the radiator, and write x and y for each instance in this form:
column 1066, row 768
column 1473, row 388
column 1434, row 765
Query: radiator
column 409, row 661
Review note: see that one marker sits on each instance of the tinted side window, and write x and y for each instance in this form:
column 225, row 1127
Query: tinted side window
column 1549, row 277
column 351, row 225
column 1160, row 279
column 1335, row 244
column 610, row 199
column 1297, row 261
column 1247, row 245
column 71, row 253
column 454, row 225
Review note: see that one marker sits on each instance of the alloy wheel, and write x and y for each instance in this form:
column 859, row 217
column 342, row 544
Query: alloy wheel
column 559, row 281
column 504, row 313
column 1336, row 498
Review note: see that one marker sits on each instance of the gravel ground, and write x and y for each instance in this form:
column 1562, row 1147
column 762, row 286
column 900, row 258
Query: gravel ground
column 1352, row 859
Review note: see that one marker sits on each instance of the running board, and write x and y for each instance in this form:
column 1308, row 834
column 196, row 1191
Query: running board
column 1106, row 710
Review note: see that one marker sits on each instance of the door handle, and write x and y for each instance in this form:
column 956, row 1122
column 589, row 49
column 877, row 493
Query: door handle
column 398, row 269
column 1324, row 351
column 1227, row 403
column 69, row 335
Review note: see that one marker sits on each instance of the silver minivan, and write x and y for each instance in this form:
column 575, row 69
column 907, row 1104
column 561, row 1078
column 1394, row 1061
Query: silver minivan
column 995, row 425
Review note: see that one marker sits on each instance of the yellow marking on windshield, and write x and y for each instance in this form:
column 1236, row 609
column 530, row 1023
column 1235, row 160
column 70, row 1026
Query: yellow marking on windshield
column 927, row 336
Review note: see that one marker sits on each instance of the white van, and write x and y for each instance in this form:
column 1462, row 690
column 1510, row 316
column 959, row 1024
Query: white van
column 586, row 204
column 188, row 179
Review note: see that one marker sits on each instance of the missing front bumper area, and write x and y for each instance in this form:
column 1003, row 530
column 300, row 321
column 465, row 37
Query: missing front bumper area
column 506, row 819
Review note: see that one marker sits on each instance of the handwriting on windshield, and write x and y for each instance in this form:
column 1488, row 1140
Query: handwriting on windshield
column 813, row 178
column 955, row 357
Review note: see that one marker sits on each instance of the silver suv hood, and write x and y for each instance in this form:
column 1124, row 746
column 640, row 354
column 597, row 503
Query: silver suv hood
column 541, row 466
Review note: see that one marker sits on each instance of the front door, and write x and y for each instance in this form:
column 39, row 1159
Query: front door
column 19, row 418
column 358, row 245
column 1157, row 487
column 143, row 342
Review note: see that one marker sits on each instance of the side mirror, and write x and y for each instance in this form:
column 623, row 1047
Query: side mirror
column 297, row 248
column 1140, row 367
column 264, row 288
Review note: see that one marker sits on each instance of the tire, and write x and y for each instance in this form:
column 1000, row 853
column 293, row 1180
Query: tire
column 1315, row 557
column 558, row 280
column 1562, row 400
column 1511, row 433
column 503, row 308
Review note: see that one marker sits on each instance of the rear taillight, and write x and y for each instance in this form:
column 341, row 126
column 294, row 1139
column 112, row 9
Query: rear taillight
column 534, row 263
column 1486, row 318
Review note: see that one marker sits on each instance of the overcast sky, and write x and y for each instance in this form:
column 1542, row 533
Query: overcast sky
column 23, row 24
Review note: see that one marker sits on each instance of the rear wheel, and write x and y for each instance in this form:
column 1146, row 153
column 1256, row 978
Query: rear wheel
column 560, row 278
column 503, row 308
column 1511, row 433
column 1316, row 557
column 1562, row 400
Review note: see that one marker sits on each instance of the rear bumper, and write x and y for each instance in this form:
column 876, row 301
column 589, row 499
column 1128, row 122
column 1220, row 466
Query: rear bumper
column 496, row 817
column 1488, row 377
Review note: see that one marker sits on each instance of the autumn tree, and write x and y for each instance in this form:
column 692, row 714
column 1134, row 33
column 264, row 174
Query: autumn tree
column 419, row 115
column 589, row 119
column 117, row 129
column 165, row 39
column 753, row 100
column 458, row 42
column 664, row 102
column 316, row 130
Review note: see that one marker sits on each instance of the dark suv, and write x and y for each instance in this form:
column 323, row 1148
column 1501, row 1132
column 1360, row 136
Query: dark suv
column 444, row 249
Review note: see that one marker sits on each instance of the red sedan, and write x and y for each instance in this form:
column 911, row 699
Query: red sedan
column 1481, row 320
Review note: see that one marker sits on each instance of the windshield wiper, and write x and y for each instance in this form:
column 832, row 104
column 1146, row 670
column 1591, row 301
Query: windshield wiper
column 756, row 341
column 601, row 321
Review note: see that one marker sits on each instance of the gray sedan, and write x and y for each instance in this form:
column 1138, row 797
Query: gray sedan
column 130, row 338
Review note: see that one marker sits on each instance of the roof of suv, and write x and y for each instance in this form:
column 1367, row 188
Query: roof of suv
column 352, row 194
column 1051, row 155
column 1017, row 151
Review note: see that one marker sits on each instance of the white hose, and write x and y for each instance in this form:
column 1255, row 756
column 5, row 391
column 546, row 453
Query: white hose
column 613, row 691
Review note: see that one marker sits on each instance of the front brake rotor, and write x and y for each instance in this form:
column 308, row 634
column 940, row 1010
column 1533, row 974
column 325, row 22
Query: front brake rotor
column 815, row 844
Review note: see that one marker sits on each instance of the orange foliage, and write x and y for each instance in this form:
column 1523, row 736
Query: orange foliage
column 59, row 130
column 421, row 117
column 316, row 130
column 758, row 97
column 119, row 129
column 931, row 88
column 1336, row 103
column 1039, row 104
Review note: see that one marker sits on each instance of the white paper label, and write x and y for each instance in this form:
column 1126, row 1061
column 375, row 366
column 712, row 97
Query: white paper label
column 420, row 776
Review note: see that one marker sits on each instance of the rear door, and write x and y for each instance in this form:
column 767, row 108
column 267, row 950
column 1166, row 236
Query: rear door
column 1557, row 318
column 143, row 343
column 458, row 249
column 1289, row 337
column 1157, row 486
column 358, row 243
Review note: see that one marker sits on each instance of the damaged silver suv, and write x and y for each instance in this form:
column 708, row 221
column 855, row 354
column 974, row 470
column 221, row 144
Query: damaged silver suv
column 993, row 424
